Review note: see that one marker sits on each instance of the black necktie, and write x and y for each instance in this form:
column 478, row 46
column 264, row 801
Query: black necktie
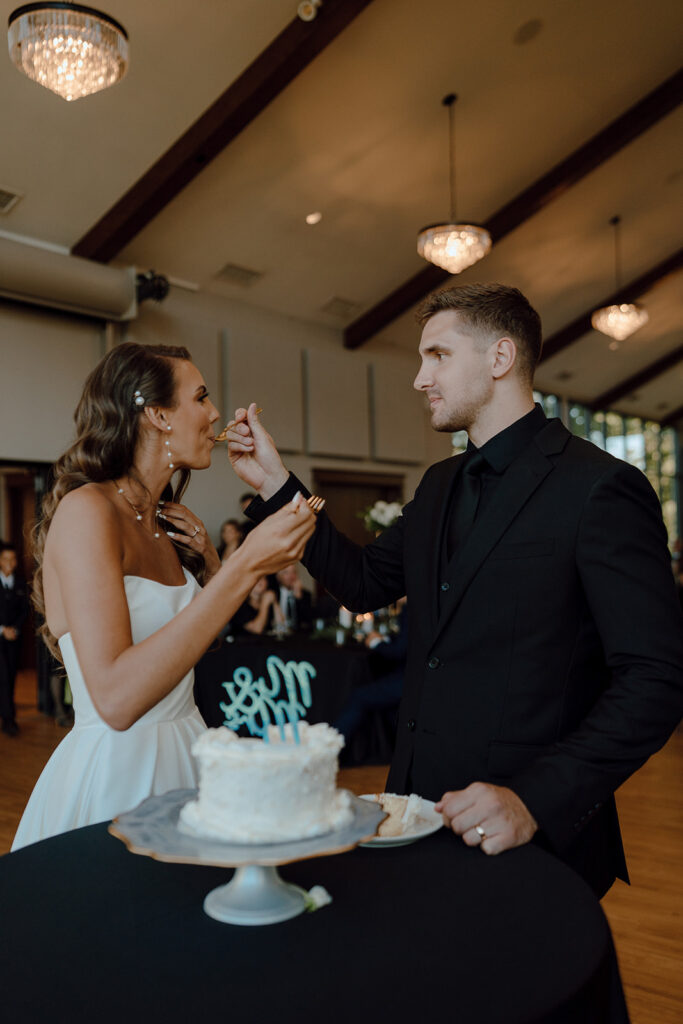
column 466, row 501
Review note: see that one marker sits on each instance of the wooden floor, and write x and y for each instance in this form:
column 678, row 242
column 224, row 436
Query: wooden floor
column 646, row 918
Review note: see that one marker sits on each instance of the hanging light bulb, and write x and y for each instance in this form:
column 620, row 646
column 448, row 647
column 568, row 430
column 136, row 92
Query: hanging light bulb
column 453, row 246
column 70, row 49
column 622, row 319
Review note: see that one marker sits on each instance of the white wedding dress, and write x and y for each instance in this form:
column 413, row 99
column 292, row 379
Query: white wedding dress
column 96, row 772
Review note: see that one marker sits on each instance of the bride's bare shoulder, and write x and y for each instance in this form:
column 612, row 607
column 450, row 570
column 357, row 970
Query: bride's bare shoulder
column 88, row 508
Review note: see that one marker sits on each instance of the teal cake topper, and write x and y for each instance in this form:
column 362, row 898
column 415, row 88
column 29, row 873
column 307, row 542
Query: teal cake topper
column 258, row 703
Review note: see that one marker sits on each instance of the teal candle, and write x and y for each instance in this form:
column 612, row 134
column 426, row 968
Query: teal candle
column 280, row 721
column 293, row 718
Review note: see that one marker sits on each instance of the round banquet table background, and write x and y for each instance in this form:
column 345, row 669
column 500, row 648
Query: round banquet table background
column 339, row 672
column 89, row 931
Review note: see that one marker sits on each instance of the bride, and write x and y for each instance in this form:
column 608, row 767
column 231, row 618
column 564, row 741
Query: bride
column 129, row 582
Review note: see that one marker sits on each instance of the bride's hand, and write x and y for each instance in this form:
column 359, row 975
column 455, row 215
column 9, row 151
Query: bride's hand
column 253, row 454
column 280, row 539
column 188, row 529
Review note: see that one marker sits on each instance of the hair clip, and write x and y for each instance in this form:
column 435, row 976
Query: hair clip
column 138, row 399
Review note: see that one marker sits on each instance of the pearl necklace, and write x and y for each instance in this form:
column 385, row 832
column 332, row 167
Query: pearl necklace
column 138, row 513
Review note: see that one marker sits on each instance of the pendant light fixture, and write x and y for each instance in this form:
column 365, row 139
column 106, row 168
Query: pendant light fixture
column 70, row 49
column 453, row 246
column 623, row 319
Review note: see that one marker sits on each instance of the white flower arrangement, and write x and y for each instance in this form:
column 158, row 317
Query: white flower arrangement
column 380, row 515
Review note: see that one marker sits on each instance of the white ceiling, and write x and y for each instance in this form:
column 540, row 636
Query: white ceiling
column 361, row 136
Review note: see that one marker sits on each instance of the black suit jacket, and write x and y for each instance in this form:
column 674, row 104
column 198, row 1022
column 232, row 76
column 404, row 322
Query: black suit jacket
column 548, row 657
column 14, row 603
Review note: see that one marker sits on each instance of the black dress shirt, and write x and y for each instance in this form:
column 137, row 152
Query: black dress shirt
column 495, row 456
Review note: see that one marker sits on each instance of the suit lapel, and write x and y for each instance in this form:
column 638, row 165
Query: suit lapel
column 517, row 485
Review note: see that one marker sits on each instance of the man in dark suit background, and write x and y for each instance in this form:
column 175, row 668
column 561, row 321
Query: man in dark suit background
column 13, row 611
column 294, row 600
column 545, row 655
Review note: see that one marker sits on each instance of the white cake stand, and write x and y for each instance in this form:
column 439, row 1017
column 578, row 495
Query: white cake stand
column 256, row 895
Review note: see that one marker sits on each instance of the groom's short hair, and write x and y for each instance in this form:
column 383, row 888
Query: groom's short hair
column 492, row 309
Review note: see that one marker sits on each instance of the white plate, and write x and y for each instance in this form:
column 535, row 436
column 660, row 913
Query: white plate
column 428, row 821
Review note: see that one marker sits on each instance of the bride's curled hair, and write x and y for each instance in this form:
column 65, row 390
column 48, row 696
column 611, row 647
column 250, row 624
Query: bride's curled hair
column 107, row 433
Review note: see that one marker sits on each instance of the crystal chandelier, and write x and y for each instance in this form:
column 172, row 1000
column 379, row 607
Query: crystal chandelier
column 623, row 319
column 72, row 50
column 453, row 246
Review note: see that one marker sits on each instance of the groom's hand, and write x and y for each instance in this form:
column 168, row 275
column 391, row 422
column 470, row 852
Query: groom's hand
column 495, row 811
column 253, row 454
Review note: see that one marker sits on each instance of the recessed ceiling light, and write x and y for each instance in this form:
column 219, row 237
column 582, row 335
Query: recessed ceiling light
column 314, row 218
column 528, row 31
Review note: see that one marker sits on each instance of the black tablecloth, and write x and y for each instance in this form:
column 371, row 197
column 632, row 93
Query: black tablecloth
column 338, row 671
column 427, row 932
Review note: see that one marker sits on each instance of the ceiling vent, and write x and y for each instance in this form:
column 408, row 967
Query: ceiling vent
column 343, row 309
column 232, row 273
column 8, row 199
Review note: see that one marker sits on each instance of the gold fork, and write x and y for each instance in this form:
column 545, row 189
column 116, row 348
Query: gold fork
column 223, row 436
column 315, row 503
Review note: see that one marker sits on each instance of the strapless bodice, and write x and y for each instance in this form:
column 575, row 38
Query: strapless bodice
column 151, row 605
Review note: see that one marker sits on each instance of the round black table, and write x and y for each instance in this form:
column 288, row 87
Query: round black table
column 420, row 933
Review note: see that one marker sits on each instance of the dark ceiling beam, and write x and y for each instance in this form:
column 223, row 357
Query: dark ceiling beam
column 672, row 417
column 638, row 380
column 629, row 293
column 638, row 119
column 272, row 71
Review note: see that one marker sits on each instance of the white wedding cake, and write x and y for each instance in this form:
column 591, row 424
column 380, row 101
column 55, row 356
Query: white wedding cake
column 251, row 791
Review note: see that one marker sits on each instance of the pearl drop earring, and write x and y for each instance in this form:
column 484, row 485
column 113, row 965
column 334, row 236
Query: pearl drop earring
column 169, row 452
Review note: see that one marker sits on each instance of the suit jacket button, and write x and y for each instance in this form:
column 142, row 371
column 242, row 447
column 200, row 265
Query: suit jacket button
column 433, row 662
column 411, row 724
column 445, row 586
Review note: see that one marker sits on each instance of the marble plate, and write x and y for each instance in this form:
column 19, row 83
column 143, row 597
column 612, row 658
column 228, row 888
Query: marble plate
column 151, row 829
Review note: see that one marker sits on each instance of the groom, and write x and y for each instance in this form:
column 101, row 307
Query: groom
column 546, row 663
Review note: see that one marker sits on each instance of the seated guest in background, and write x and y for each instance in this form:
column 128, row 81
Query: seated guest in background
column 260, row 612
column 231, row 538
column 294, row 600
column 384, row 693
column 245, row 501
column 13, row 611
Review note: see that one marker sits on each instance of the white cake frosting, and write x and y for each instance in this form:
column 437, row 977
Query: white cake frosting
column 256, row 792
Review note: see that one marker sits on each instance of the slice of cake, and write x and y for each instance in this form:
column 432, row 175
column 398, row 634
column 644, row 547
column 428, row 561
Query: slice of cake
column 403, row 813
column 256, row 792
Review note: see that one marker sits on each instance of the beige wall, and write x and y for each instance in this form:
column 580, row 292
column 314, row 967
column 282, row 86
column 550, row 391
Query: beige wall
column 325, row 407
column 44, row 359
